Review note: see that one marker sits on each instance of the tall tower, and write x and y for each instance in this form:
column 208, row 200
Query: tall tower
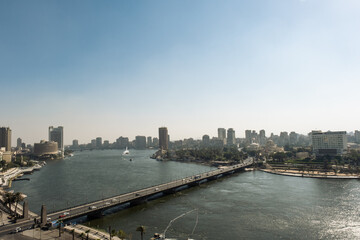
column 163, row 138
column 231, row 137
column 248, row 136
column 5, row 138
column 262, row 139
column 57, row 135
column 18, row 143
column 222, row 134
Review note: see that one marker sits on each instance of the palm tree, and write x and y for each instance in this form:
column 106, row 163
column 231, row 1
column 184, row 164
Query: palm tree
column 113, row 233
column 82, row 235
column 121, row 234
column 73, row 234
column 87, row 234
column 18, row 197
column 9, row 198
column 60, row 223
column 141, row 229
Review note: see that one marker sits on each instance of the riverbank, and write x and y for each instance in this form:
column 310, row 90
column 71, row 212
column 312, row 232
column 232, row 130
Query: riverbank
column 311, row 174
column 7, row 177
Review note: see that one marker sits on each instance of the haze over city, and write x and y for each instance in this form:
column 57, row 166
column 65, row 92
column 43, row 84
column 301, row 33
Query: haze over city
column 124, row 68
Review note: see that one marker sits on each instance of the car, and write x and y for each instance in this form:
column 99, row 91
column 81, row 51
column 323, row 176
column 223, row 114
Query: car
column 92, row 207
column 48, row 219
column 16, row 230
column 107, row 203
column 156, row 189
column 62, row 216
column 66, row 213
column 137, row 194
column 113, row 200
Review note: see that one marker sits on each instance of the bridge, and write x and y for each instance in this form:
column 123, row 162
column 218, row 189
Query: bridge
column 96, row 208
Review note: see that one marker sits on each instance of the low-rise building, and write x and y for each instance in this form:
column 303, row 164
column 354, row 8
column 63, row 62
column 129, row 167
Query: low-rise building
column 46, row 148
column 7, row 156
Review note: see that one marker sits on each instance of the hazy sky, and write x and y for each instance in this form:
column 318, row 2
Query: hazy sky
column 125, row 68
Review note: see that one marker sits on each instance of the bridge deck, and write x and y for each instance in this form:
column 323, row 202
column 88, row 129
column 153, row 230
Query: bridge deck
column 98, row 206
column 142, row 194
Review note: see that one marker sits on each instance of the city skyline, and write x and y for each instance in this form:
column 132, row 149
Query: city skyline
column 125, row 69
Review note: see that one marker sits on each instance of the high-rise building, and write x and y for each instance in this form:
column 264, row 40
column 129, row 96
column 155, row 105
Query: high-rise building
column 293, row 138
column 231, row 137
column 248, row 136
column 98, row 142
column 206, row 140
column 106, row 144
column 5, row 138
column 357, row 136
column 57, row 135
column 163, row 138
column 122, row 142
column 140, row 142
column 222, row 134
column 75, row 143
column 155, row 141
column 284, row 139
column 93, row 143
column 18, row 143
column 329, row 143
column 262, row 137
column 149, row 141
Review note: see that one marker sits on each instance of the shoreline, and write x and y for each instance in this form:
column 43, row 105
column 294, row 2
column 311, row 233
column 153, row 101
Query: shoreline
column 7, row 177
column 293, row 173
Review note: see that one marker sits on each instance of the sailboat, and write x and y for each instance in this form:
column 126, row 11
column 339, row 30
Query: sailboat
column 126, row 152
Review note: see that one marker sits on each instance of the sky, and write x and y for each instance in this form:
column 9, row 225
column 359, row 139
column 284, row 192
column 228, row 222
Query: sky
column 125, row 68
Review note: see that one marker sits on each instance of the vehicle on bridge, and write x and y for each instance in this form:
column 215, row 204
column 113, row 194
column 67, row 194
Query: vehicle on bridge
column 64, row 214
column 16, row 230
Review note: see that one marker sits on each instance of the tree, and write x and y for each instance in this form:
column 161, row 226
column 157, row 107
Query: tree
column 18, row 197
column 9, row 198
column 60, row 223
column 121, row 234
column 73, row 234
column 113, row 233
column 82, row 235
column 87, row 234
column 141, row 229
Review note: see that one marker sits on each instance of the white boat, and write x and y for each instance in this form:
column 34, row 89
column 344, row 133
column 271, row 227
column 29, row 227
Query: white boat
column 126, row 152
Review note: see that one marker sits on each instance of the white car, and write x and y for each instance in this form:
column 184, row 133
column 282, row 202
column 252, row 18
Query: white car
column 92, row 207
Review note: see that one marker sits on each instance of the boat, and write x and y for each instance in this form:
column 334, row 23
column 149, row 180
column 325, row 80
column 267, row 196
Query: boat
column 126, row 152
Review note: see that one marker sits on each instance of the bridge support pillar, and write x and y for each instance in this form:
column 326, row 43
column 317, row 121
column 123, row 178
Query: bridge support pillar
column 25, row 210
column 43, row 215
column 137, row 202
column 97, row 214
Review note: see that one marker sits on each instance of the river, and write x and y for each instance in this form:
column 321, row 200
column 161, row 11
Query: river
column 248, row 205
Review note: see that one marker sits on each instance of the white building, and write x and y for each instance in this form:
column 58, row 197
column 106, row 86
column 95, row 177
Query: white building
column 329, row 143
